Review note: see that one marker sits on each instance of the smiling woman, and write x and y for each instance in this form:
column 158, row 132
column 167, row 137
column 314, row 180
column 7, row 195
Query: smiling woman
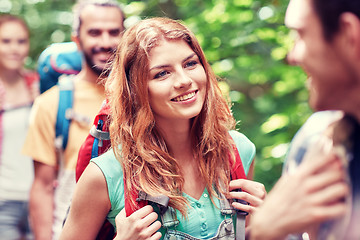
column 177, row 82
column 18, row 88
column 172, row 135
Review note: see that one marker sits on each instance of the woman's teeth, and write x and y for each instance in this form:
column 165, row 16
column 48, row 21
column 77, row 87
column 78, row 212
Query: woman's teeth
column 184, row 97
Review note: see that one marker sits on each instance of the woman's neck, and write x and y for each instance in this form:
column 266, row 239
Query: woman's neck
column 10, row 78
column 14, row 89
column 177, row 138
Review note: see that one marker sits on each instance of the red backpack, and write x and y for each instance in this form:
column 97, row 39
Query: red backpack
column 98, row 142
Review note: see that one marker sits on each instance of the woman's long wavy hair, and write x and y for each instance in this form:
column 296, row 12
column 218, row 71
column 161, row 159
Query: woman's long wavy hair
column 140, row 148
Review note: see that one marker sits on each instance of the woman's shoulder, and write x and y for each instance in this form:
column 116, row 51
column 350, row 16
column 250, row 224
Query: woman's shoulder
column 113, row 173
column 108, row 164
column 238, row 136
column 241, row 140
column 245, row 147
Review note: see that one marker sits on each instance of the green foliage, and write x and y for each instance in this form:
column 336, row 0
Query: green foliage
column 245, row 41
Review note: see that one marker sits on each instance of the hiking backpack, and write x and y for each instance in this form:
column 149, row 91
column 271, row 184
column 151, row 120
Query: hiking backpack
column 56, row 60
column 57, row 65
column 63, row 117
column 98, row 142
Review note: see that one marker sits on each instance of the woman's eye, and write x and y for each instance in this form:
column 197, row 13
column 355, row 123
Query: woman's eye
column 5, row 40
column 191, row 63
column 161, row 74
column 22, row 41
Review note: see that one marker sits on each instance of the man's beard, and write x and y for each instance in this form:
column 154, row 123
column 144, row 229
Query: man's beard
column 99, row 71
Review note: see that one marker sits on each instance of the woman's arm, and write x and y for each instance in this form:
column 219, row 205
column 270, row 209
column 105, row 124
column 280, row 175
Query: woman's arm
column 89, row 207
column 250, row 174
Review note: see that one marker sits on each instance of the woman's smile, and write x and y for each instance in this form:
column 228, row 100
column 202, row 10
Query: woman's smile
column 185, row 97
column 177, row 81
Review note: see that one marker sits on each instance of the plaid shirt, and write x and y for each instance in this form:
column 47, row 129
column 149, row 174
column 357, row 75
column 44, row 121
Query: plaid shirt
column 309, row 135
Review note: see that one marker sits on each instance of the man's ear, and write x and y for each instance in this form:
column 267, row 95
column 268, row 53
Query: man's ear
column 75, row 39
column 349, row 32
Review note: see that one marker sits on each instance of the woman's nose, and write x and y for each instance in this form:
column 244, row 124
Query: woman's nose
column 182, row 79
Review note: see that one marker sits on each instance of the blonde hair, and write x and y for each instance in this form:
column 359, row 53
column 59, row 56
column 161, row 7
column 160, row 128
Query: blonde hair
column 137, row 144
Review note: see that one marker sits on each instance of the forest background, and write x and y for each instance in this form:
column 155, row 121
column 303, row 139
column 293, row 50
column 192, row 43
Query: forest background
column 246, row 43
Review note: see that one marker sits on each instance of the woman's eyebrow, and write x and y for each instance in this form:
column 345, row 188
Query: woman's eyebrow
column 167, row 65
column 190, row 56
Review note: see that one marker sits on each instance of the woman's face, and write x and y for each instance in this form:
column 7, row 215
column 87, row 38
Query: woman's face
column 177, row 81
column 14, row 45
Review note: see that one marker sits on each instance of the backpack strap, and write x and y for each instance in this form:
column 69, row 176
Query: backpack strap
column 32, row 83
column 97, row 142
column 161, row 200
column 238, row 172
column 142, row 199
column 66, row 89
column 237, row 168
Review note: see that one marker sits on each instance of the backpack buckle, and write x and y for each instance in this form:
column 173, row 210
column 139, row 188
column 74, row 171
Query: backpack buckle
column 160, row 200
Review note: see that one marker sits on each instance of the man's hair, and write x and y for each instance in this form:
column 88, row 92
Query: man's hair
column 329, row 12
column 78, row 8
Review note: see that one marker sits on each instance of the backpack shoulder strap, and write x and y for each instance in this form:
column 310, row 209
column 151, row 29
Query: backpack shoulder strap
column 129, row 197
column 97, row 142
column 32, row 83
column 31, row 78
column 66, row 89
column 238, row 172
column 237, row 169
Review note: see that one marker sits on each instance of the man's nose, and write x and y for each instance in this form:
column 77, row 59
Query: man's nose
column 106, row 41
column 295, row 55
column 290, row 58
